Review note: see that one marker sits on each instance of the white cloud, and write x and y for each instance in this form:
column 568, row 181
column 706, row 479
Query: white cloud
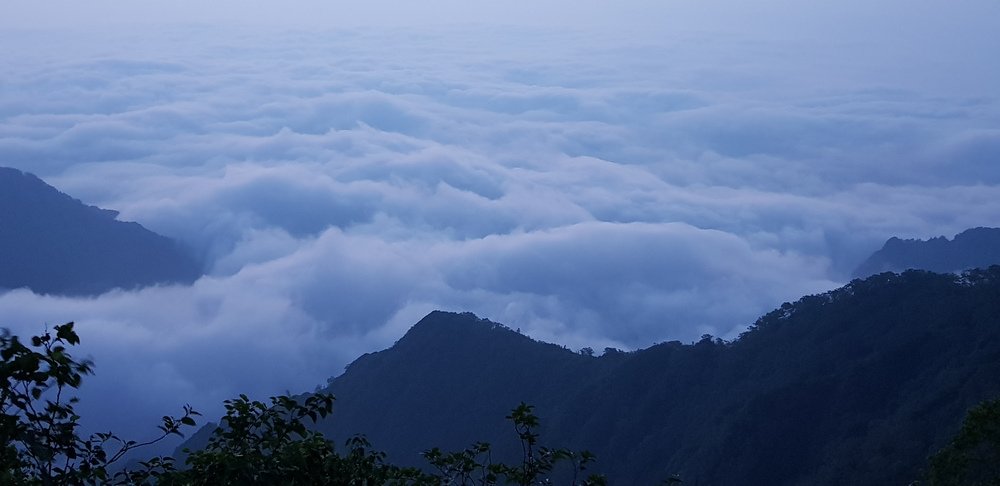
column 590, row 190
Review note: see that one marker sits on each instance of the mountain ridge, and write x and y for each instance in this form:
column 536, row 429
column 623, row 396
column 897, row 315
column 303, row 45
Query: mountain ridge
column 52, row 243
column 865, row 382
column 973, row 248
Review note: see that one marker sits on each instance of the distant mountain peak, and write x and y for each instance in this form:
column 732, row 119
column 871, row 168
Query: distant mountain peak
column 973, row 248
column 52, row 243
column 440, row 330
column 439, row 322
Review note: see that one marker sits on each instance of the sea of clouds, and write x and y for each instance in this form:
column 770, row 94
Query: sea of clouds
column 589, row 189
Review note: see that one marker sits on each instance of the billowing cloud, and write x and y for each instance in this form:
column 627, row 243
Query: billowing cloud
column 604, row 190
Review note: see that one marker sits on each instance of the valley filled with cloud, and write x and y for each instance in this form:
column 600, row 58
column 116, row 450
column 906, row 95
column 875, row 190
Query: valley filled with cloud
column 588, row 189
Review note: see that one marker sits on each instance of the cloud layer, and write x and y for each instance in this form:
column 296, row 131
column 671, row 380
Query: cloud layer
column 592, row 190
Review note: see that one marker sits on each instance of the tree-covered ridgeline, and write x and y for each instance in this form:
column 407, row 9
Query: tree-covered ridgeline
column 859, row 385
column 866, row 381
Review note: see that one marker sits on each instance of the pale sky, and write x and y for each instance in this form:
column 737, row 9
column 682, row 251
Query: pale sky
column 930, row 17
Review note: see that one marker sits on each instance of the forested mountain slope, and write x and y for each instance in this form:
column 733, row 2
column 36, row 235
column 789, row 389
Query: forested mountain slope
column 54, row 244
column 855, row 386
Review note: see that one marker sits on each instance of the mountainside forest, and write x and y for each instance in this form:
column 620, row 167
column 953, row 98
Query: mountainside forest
column 856, row 386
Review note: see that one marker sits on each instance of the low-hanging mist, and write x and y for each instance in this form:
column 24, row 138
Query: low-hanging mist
column 591, row 190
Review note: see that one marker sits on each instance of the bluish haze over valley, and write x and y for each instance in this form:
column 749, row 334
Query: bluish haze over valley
column 593, row 175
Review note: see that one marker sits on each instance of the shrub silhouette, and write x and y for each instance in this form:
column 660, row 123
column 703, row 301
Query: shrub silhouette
column 256, row 443
column 39, row 425
column 973, row 456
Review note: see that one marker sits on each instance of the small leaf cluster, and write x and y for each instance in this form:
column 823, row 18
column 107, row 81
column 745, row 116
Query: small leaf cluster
column 39, row 437
column 973, row 456
column 269, row 444
column 475, row 466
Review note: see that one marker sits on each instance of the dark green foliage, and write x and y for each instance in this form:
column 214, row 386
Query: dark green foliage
column 269, row 444
column 475, row 465
column 865, row 382
column 38, row 425
column 973, row 456
column 259, row 444
column 855, row 386
column 255, row 444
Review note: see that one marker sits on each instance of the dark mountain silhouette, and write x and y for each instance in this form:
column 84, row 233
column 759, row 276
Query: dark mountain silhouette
column 54, row 244
column 856, row 386
column 972, row 248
